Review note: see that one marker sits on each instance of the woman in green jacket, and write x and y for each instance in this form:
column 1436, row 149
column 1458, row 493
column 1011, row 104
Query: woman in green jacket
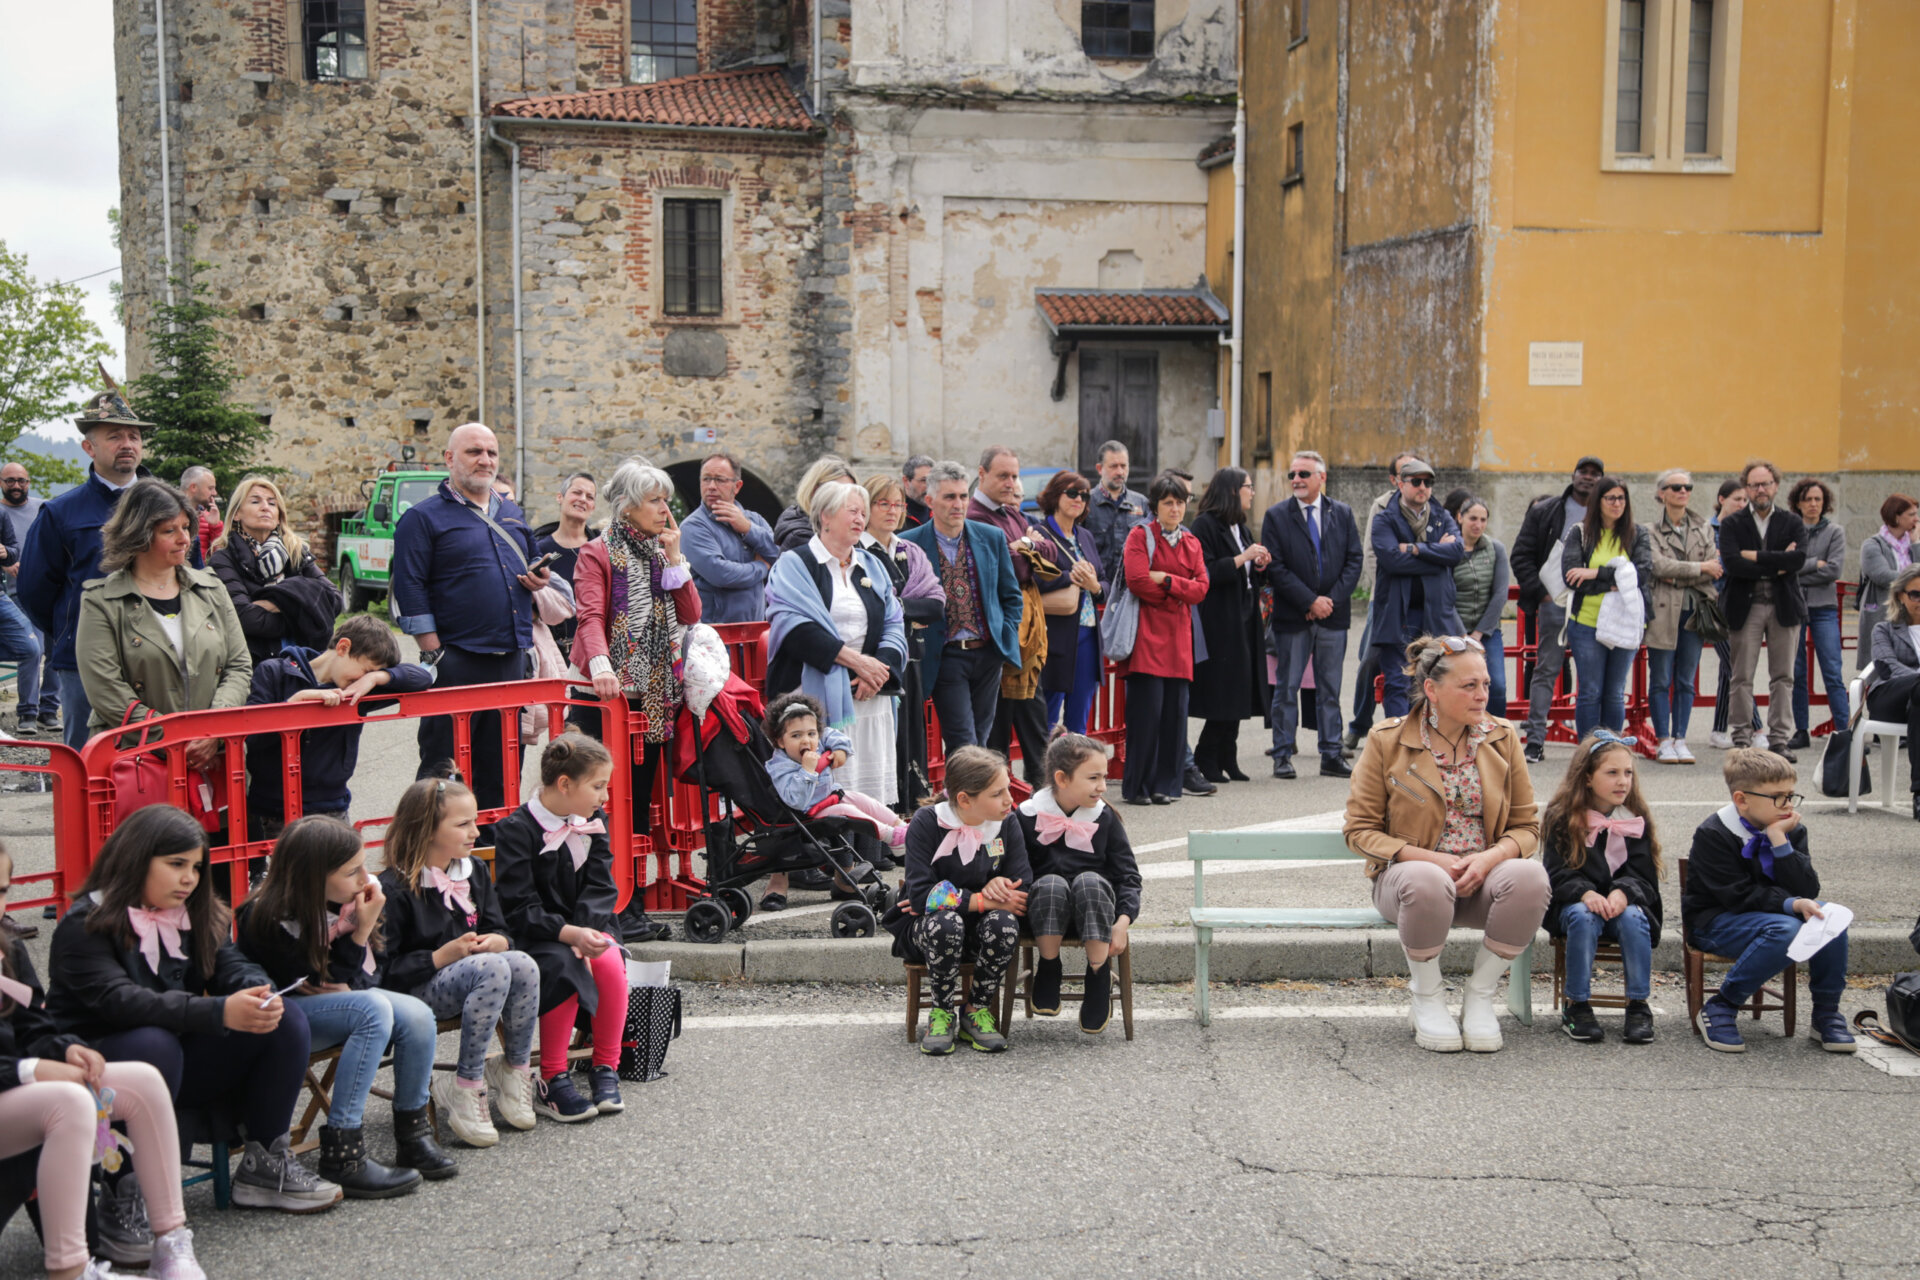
column 157, row 636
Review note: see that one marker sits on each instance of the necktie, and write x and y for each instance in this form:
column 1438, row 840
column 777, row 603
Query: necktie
column 1313, row 532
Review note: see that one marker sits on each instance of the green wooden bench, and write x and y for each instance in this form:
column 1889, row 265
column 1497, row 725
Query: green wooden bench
column 1294, row 846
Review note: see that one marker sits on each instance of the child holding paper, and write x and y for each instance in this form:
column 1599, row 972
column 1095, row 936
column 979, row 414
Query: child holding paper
column 1751, row 887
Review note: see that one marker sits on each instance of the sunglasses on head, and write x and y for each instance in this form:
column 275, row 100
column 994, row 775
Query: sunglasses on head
column 1461, row 644
column 1299, row 475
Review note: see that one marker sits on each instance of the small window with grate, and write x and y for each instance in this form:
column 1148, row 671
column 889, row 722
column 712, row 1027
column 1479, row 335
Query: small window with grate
column 1117, row 30
column 692, row 257
column 666, row 40
column 1699, row 75
column 333, row 38
column 1629, row 98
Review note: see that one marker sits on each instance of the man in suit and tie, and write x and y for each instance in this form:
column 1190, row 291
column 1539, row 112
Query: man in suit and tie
column 1763, row 546
column 1316, row 562
column 980, row 630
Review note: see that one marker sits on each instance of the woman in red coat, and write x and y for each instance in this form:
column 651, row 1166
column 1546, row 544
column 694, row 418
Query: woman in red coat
column 1167, row 572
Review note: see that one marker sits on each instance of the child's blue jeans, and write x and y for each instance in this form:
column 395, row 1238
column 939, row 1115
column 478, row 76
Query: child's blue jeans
column 1758, row 940
column 362, row 1023
column 1585, row 930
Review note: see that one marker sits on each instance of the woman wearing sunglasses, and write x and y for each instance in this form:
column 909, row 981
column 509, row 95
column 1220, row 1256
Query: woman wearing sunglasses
column 1686, row 564
column 1595, row 551
column 1074, row 665
column 1893, row 692
column 1442, row 809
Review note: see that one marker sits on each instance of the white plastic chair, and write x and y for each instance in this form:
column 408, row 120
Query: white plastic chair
column 1865, row 729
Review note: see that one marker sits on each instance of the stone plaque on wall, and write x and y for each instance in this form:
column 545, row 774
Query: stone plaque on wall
column 696, row 353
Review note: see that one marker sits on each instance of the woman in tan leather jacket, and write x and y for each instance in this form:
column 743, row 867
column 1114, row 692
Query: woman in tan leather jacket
column 1442, row 809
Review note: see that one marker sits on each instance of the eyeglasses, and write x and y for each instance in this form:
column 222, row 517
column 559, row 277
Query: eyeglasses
column 1763, row 484
column 1784, row 799
column 1418, row 482
column 1615, row 497
column 1678, row 488
column 1078, row 495
column 716, row 479
column 889, row 504
column 1299, row 475
column 1461, row 644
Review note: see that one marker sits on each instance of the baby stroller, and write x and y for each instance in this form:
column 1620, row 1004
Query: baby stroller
column 758, row 833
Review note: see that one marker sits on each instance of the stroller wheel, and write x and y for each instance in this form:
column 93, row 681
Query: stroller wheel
column 739, row 904
column 880, row 897
column 853, row 920
column 707, row 921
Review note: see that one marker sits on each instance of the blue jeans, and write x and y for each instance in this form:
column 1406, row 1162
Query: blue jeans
column 1584, row 931
column 1824, row 624
column 1089, row 667
column 363, row 1022
column 1758, row 940
column 1327, row 647
column 1602, row 687
column 1496, row 644
column 1670, row 676
column 75, row 709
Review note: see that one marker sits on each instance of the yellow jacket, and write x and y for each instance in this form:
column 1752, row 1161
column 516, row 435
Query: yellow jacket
column 125, row 658
column 1396, row 797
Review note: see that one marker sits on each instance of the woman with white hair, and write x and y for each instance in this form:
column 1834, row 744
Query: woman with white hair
column 1686, row 564
column 633, row 593
column 836, row 631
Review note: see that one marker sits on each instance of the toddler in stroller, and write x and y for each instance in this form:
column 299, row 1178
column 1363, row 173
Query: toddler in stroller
column 805, row 753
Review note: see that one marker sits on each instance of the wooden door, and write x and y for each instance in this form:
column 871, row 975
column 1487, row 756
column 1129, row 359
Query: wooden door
column 1120, row 400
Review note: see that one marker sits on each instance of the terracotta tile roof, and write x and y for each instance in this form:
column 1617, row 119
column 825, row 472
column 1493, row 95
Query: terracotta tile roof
column 753, row 98
column 1146, row 308
column 1219, row 151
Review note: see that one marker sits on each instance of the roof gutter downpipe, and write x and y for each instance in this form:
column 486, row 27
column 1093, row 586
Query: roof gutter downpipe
column 479, row 219
column 519, row 405
column 1236, row 376
column 166, row 170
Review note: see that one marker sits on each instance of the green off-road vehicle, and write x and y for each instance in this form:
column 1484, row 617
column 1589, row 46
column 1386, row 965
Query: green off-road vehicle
column 363, row 550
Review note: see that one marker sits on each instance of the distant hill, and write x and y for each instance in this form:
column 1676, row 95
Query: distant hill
column 67, row 450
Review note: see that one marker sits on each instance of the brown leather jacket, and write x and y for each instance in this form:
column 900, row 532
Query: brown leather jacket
column 1395, row 799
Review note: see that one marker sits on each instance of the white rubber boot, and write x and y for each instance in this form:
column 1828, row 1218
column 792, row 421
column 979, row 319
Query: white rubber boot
column 1479, row 1023
column 1433, row 1026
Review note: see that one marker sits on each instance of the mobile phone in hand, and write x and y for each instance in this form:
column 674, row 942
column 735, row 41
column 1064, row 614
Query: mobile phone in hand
column 544, row 562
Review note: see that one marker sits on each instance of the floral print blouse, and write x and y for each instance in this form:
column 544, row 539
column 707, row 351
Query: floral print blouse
column 1466, row 829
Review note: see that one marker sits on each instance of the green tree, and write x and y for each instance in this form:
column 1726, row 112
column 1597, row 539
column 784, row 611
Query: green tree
column 185, row 395
column 48, row 348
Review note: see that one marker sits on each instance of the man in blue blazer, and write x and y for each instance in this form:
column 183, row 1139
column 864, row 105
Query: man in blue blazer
column 980, row 630
column 1417, row 545
column 1316, row 562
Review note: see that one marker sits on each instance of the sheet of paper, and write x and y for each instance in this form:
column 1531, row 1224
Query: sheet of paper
column 1819, row 931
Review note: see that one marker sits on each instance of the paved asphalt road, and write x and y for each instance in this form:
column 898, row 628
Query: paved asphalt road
column 1302, row 1136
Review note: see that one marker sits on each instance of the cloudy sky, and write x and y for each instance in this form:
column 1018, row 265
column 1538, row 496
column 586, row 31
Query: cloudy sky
column 61, row 171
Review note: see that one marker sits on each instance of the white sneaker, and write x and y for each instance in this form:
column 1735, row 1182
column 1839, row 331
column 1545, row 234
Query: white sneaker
column 1762, row 743
column 1666, row 754
column 173, row 1257
column 512, row 1092
column 465, row 1111
column 1720, row 740
column 1680, row 753
column 100, row 1269
column 1433, row 1026
column 1479, row 1023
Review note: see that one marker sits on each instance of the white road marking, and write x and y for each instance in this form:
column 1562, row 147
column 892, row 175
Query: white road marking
column 812, row 909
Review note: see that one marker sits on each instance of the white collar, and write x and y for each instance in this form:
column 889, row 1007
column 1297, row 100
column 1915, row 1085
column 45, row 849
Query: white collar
column 949, row 819
column 980, row 496
column 826, row 557
column 1730, row 819
column 1043, row 801
column 1315, row 504
column 547, row 818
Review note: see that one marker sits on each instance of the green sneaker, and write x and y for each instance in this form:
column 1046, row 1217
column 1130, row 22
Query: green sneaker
column 977, row 1029
column 939, row 1037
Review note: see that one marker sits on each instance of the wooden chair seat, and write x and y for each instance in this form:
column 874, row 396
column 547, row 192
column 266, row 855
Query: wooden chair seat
column 917, row 972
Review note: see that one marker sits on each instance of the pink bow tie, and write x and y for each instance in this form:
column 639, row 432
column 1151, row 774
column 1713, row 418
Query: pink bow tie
column 573, row 833
column 1052, row 826
column 963, row 839
column 455, row 893
column 1617, row 829
column 343, row 924
column 18, row 992
column 153, row 928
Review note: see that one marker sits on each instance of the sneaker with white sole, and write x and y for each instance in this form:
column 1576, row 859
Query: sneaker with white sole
column 173, row 1257
column 558, row 1099
column 512, row 1092
column 270, row 1178
column 1666, row 753
column 1720, row 740
column 465, row 1111
column 120, row 1212
column 1680, row 753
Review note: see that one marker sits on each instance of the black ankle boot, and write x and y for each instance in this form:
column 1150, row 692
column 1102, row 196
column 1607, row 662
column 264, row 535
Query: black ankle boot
column 1097, row 1006
column 1046, row 987
column 419, row 1148
column 344, row 1160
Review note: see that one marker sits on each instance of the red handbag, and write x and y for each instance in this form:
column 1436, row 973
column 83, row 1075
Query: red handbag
column 141, row 780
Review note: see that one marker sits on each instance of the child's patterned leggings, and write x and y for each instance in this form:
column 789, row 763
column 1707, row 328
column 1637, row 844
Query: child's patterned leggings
column 500, row 988
column 609, row 971
column 946, row 937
